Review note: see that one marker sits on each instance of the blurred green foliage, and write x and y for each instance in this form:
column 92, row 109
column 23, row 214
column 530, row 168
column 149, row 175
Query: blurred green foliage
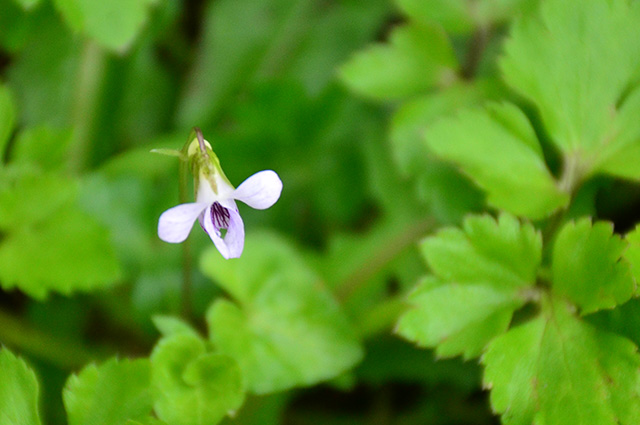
column 356, row 105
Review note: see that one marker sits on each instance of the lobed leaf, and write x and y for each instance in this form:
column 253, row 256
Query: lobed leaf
column 417, row 58
column 556, row 369
column 587, row 266
column 195, row 387
column 564, row 63
column 18, row 391
column 109, row 394
column 480, row 273
column 499, row 150
column 283, row 328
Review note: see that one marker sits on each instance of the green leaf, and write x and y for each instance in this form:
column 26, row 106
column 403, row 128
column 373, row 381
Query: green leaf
column 588, row 268
column 66, row 253
column 557, row 369
column 285, row 330
column 417, row 58
column 565, row 64
column 43, row 146
column 632, row 254
column 620, row 155
column 18, row 391
column 168, row 326
column 125, row 20
column 195, row 387
column 7, row 118
column 28, row 196
column 480, row 274
column 498, row 149
column 457, row 319
column 109, row 394
column 464, row 16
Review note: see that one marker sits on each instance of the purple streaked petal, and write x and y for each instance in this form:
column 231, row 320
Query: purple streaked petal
column 233, row 243
column 234, row 239
column 260, row 191
column 175, row 223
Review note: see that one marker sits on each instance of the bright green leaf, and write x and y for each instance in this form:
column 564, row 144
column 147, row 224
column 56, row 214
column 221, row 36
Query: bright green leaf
column 558, row 370
column 125, row 19
column 564, row 62
column 457, row 318
column 43, row 146
column 28, row 196
column 66, row 253
column 417, row 58
column 621, row 155
column 504, row 252
column 194, row 387
column 285, row 330
column 168, row 326
column 632, row 254
column 7, row 118
column 587, row 266
column 480, row 273
column 109, row 394
column 18, row 391
column 499, row 150
column 464, row 16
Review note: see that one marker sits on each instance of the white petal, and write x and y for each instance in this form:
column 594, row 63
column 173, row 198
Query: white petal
column 260, row 191
column 176, row 223
column 233, row 243
column 234, row 239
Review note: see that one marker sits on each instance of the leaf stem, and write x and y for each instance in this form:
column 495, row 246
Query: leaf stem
column 90, row 76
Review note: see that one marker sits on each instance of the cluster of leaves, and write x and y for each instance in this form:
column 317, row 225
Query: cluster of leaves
column 549, row 363
column 522, row 107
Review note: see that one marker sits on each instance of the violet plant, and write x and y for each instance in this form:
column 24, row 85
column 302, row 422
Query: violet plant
column 466, row 234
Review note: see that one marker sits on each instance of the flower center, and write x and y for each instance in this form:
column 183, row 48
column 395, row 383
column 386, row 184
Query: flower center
column 220, row 216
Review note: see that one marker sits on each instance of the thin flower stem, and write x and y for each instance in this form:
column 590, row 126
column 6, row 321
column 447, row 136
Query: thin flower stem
column 187, row 259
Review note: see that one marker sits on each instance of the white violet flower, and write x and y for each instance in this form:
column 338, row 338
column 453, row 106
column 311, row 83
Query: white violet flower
column 215, row 205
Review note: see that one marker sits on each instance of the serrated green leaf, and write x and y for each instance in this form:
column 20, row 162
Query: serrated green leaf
column 66, row 253
column 28, row 196
column 620, row 155
column 499, row 150
column 501, row 252
column 632, row 253
column 479, row 275
column 125, row 20
column 195, row 387
column 417, row 58
column 587, row 266
column 18, row 391
column 557, row 370
column 457, row 318
column 109, row 394
column 285, row 330
column 44, row 146
column 564, row 63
